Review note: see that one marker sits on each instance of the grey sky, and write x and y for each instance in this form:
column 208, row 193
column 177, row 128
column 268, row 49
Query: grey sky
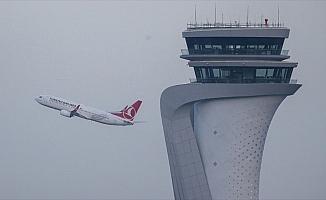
column 107, row 54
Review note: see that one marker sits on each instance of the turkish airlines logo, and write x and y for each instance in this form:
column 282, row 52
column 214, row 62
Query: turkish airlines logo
column 129, row 113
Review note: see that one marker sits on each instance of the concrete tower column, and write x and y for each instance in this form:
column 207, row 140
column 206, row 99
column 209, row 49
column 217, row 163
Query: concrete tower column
column 207, row 129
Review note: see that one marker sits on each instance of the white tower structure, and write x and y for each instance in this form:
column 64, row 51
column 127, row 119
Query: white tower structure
column 215, row 127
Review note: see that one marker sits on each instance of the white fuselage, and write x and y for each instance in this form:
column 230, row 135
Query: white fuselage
column 66, row 107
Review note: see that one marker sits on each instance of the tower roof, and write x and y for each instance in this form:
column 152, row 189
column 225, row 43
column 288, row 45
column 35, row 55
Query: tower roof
column 236, row 31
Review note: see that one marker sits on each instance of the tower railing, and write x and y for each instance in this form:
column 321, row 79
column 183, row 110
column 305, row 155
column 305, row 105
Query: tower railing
column 186, row 52
column 233, row 25
column 237, row 80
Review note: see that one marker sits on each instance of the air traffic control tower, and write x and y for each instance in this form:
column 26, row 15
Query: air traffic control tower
column 215, row 126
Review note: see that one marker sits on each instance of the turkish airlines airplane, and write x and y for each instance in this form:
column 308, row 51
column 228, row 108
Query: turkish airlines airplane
column 69, row 109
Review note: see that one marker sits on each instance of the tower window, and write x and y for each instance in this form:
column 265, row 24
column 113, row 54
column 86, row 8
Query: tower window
column 242, row 75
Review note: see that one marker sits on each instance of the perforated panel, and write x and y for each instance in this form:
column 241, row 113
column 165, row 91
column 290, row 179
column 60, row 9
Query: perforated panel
column 231, row 135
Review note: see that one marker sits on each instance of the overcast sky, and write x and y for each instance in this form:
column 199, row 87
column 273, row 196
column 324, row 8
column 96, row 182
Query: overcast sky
column 107, row 54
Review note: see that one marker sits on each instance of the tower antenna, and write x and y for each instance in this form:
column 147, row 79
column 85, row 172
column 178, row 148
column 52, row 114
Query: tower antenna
column 215, row 15
column 222, row 18
column 247, row 16
column 278, row 15
column 195, row 15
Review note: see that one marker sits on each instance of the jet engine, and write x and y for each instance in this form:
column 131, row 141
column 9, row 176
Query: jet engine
column 65, row 113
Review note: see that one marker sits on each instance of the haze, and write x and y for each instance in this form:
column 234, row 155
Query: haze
column 107, row 54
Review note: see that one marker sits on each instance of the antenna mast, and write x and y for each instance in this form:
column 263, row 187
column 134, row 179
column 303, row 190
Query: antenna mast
column 195, row 15
column 278, row 15
column 247, row 16
column 215, row 15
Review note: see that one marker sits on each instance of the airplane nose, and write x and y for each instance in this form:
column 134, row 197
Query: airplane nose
column 37, row 100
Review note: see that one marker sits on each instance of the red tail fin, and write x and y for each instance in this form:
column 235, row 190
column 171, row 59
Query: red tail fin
column 136, row 105
column 130, row 112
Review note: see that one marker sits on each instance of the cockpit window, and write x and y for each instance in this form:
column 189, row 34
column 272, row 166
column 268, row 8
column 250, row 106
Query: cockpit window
column 40, row 97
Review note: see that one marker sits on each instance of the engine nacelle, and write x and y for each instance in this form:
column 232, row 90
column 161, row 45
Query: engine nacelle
column 65, row 113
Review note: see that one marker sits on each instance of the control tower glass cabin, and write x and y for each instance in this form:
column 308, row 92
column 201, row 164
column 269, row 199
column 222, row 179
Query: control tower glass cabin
column 232, row 47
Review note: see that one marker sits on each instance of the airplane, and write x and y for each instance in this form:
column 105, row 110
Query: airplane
column 70, row 109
